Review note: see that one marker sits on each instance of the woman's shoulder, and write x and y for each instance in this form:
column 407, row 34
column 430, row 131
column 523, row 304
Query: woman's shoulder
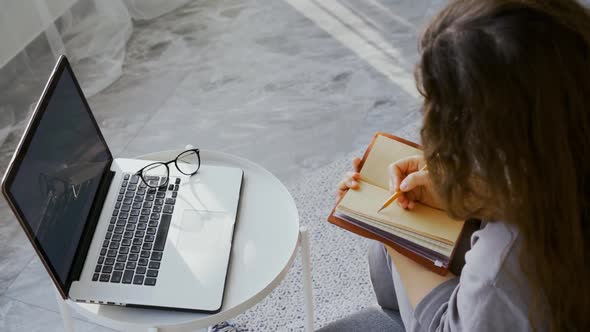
column 493, row 253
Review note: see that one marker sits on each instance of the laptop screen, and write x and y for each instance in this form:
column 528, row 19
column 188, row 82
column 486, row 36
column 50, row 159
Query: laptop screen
column 58, row 170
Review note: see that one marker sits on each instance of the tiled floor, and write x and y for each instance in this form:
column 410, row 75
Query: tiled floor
column 290, row 84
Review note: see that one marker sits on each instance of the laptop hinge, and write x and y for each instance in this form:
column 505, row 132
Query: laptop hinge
column 93, row 217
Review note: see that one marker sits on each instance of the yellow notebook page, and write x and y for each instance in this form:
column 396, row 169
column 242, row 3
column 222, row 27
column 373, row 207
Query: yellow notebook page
column 422, row 220
column 384, row 152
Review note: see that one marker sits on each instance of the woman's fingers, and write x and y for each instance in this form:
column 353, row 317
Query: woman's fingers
column 350, row 181
column 400, row 169
column 414, row 180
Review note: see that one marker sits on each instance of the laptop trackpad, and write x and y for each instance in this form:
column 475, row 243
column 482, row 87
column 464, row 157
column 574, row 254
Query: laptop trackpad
column 203, row 230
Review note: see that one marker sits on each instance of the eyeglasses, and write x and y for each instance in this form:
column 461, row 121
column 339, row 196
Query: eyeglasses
column 156, row 175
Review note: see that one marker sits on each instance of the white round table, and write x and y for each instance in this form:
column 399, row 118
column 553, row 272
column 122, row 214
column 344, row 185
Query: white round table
column 266, row 238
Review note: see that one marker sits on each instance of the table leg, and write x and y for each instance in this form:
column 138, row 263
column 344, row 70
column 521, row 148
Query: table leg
column 66, row 315
column 307, row 281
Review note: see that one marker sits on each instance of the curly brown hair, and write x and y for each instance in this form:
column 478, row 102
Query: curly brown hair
column 506, row 136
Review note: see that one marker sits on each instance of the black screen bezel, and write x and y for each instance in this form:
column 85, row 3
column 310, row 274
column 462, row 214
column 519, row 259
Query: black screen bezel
column 20, row 152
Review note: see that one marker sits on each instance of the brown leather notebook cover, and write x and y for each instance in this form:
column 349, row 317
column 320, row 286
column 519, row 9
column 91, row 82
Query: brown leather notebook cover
column 362, row 232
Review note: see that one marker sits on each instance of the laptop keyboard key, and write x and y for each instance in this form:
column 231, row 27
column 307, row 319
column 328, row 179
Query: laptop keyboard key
column 107, row 269
column 152, row 273
column 117, row 237
column 128, row 234
column 126, row 208
column 162, row 232
column 127, row 200
column 147, row 246
column 126, row 242
column 177, row 181
column 140, row 270
column 154, row 265
column 104, row 277
column 149, row 238
column 133, row 257
column 145, row 254
column 156, row 255
column 131, row 265
column 121, row 258
column 159, row 201
column 138, row 280
column 112, row 253
column 174, row 194
column 109, row 235
column 151, row 231
column 95, row 277
column 124, row 250
column 135, row 249
column 109, row 261
column 150, row 281
column 119, row 266
column 134, row 179
column 168, row 208
column 143, row 262
column 98, row 268
column 116, row 277
column 160, row 194
column 100, row 259
column 137, row 205
column 103, row 251
column 170, row 201
column 127, row 276
column 119, row 198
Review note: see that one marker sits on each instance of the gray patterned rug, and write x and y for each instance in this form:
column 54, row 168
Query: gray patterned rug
column 341, row 282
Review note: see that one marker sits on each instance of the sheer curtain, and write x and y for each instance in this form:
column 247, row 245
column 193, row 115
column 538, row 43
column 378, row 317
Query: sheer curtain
column 92, row 33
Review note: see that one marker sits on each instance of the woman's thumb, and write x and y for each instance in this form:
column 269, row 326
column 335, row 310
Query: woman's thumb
column 414, row 180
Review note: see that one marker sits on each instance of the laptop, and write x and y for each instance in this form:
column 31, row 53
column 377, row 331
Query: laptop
column 103, row 235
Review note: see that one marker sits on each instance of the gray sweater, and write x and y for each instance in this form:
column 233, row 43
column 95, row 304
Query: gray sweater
column 492, row 294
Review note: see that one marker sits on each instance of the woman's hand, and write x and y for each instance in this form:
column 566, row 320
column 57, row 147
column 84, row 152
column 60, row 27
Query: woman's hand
column 350, row 180
column 406, row 176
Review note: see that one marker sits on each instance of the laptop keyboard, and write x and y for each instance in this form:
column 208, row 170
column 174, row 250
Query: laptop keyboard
column 134, row 243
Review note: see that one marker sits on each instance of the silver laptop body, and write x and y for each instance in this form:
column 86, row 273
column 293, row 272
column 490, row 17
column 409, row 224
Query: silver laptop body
column 103, row 236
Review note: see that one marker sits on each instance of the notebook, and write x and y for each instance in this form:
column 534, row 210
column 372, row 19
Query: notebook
column 425, row 234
